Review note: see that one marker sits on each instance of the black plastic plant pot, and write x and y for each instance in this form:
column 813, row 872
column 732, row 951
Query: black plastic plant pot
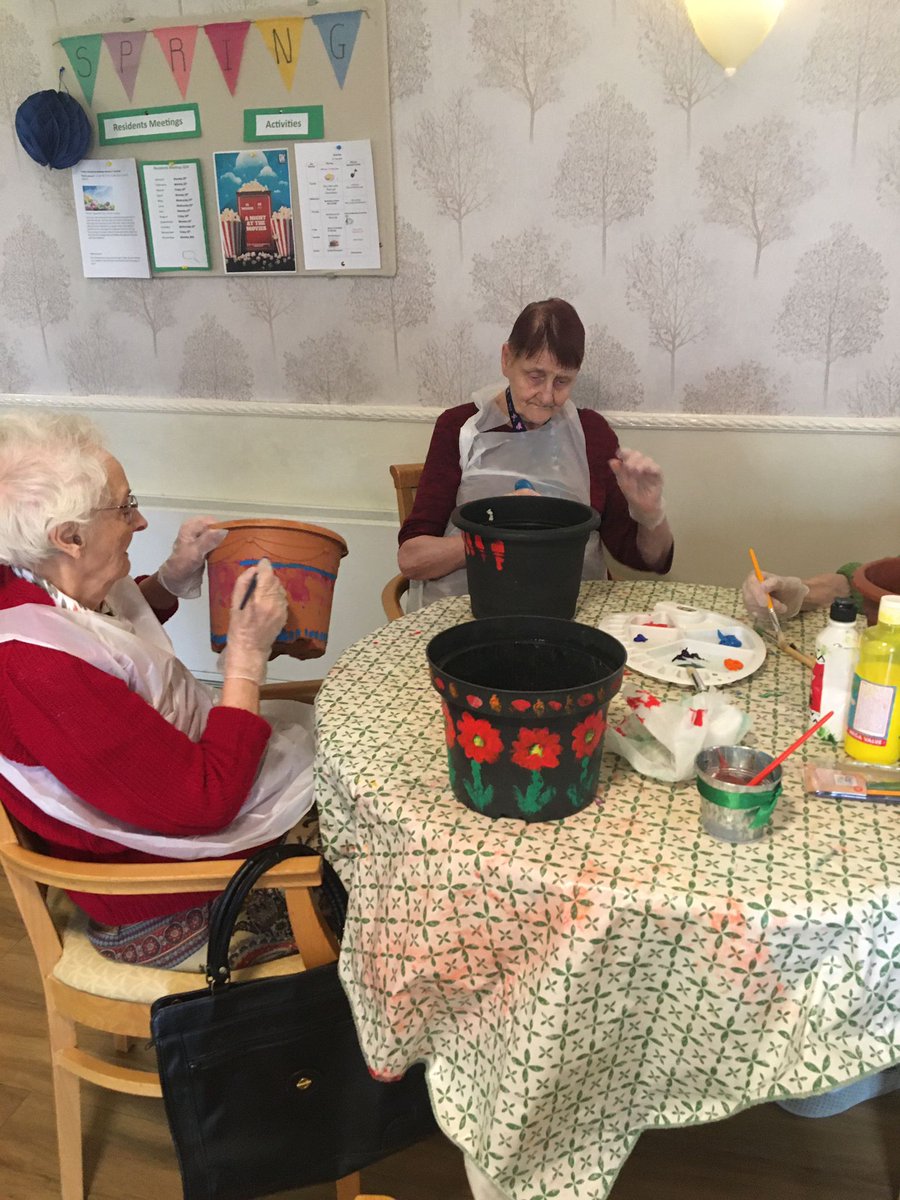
column 524, row 554
column 524, row 702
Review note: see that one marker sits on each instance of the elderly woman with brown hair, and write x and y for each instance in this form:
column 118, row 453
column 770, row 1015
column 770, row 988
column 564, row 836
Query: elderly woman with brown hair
column 110, row 750
column 531, row 434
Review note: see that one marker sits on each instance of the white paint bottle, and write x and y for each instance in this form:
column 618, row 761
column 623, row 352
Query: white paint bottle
column 837, row 649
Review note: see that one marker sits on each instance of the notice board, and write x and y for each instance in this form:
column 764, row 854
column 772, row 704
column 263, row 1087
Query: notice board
column 319, row 70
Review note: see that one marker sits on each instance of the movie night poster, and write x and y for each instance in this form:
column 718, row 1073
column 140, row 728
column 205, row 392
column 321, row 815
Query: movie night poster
column 255, row 214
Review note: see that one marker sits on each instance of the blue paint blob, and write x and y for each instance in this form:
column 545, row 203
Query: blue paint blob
column 728, row 639
column 640, row 638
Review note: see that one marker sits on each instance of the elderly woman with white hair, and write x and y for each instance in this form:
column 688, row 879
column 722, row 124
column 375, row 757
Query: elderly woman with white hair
column 110, row 750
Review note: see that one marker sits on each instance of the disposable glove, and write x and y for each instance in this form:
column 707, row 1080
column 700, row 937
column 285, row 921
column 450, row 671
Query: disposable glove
column 182, row 572
column 254, row 622
column 787, row 592
column 641, row 482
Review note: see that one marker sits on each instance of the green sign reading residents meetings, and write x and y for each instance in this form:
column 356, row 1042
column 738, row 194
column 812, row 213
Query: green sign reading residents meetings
column 149, row 124
column 300, row 124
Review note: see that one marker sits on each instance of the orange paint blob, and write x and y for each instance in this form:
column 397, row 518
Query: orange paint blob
column 733, row 664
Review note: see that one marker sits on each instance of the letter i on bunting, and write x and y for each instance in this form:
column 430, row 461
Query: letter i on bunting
column 177, row 43
column 227, row 40
column 125, row 52
column 282, row 40
column 84, row 54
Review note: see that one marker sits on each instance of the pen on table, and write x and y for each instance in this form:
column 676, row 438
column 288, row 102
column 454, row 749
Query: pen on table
column 772, row 613
column 249, row 592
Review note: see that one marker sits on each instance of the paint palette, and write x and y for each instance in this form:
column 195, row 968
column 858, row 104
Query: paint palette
column 672, row 641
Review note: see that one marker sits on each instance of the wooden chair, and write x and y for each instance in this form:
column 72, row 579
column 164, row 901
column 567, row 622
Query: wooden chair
column 406, row 478
column 81, row 988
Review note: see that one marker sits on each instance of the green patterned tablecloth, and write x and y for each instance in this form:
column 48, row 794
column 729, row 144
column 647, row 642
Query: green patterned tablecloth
column 573, row 983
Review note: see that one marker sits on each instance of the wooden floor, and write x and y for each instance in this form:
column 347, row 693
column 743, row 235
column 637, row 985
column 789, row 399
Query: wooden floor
column 763, row 1154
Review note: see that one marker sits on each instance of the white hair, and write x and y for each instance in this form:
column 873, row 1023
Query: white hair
column 51, row 472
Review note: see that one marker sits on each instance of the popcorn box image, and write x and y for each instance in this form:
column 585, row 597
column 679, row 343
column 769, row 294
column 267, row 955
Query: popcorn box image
column 255, row 211
column 283, row 228
column 232, row 233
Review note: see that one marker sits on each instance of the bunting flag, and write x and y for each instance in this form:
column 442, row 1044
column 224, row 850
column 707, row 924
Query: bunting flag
column 125, row 51
column 177, row 43
column 84, row 53
column 282, row 38
column 227, row 40
column 338, row 31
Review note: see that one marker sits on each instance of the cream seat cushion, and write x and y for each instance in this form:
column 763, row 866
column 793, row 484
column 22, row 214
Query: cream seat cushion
column 81, row 967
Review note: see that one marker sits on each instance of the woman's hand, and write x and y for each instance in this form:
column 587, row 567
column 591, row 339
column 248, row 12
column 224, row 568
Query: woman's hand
column 641, row 483
column 182, row 572
column 254, row 622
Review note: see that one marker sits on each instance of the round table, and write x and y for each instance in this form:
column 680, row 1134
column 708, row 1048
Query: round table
column 572, row 983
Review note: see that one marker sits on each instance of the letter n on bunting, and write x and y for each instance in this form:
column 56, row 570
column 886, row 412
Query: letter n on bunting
column 282, row 38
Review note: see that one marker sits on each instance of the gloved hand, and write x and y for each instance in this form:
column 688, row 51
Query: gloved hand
column 182, row 572
column 641, row 482
column 787, row 592
column 254, row 623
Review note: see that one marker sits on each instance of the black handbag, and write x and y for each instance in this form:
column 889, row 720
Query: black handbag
column 264, row 1083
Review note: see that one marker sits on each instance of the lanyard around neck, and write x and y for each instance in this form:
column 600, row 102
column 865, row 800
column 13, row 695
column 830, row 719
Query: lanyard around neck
column 515, row 420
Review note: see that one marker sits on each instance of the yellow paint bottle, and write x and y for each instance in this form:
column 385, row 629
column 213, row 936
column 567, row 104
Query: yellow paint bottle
column 873, row 724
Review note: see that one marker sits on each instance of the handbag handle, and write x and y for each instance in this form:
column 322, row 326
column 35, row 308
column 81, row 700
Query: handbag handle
column 227, row 907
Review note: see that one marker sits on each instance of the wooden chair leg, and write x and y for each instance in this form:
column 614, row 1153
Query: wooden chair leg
column 348, row 1187
column 122, row 1043
column 67, row 1098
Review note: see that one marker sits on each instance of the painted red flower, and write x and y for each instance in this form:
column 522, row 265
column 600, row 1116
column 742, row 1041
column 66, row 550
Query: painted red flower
column 479, row 739
column 586, row 736
column 449, row 727
column 535, row 749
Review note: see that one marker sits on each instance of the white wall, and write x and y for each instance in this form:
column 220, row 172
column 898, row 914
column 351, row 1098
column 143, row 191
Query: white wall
column 806, row 501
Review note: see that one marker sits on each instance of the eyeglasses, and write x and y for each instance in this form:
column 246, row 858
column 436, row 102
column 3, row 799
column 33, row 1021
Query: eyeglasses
column 128, row 508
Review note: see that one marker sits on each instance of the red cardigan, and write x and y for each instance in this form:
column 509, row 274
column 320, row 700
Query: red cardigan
column 111, row 748
column 436, row 492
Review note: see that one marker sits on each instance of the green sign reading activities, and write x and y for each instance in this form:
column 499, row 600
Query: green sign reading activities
column 299, row 124
column 149, row 124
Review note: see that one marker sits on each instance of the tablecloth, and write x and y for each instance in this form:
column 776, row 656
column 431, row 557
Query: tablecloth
column 573, row 983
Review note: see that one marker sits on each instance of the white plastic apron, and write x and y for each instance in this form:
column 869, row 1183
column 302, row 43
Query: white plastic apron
column 552, row 457
column 132, row 646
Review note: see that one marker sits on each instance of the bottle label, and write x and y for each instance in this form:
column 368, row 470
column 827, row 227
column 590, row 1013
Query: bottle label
column 871, row 709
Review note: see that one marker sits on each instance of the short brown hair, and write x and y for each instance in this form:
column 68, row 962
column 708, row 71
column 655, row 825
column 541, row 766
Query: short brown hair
column 552, row 325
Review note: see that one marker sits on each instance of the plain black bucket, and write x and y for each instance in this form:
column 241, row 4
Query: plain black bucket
column 524, row 702
column 524, row 554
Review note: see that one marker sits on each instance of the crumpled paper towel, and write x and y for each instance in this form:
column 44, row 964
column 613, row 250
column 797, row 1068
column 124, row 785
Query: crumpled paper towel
column 662, row 738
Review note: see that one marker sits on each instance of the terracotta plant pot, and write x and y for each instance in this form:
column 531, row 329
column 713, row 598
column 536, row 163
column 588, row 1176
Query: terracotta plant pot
column 874, row 580
column 305, row 558
column 524, row 554
column 524, row 702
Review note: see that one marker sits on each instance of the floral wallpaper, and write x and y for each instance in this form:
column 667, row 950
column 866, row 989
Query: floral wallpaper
column 731, row 244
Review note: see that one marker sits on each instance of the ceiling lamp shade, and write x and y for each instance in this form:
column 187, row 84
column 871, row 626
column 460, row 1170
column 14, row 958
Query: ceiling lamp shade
column 730, row 30
column 53, row 128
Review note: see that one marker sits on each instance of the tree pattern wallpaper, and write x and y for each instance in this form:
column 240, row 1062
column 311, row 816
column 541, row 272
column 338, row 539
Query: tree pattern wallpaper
column 732, row 244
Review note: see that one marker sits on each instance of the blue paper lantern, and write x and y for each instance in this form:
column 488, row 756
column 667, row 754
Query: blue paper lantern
column 53, row 128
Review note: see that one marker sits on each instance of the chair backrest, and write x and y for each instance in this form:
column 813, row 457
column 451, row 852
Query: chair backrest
column 30, row 896
column 406, row 478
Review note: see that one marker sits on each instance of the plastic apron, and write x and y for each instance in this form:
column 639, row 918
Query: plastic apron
column 552, row 457
column 131, row 645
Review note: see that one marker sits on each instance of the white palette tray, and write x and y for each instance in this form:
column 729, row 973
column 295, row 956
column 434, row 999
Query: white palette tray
column 667, row 642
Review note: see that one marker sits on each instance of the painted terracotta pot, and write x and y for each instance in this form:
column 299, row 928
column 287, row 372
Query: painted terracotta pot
column 524, row 702
column 305, row 558
column 524, row 554
column 874, row 580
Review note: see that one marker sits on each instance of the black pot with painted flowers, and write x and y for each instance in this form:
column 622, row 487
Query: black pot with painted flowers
column 524, row 701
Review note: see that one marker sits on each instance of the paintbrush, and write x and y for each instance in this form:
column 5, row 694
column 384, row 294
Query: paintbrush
column 779, row 636
column 249, row 592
